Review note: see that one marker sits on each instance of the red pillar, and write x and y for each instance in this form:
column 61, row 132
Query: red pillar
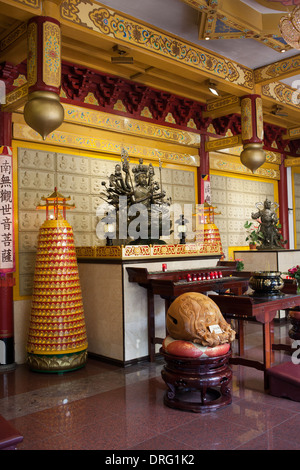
column 203, row 177
column 7, row 354
column 283, row 203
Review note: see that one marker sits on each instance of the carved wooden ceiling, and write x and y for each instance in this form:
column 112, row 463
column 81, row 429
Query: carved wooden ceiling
column 163, row 45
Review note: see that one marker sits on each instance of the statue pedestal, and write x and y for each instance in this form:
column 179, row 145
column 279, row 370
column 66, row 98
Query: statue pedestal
column 116, row 310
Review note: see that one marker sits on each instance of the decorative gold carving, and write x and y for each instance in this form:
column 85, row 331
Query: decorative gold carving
column 108, row 251
column 116, row 25
column 32, row 54
column 16, row 98
column 67, row 139
column 30, row 3
column 13, row 36
column 292, row 134
column 101, row 120
column 278, row 70
column 281, row 93
column 247, row 128
column 225, row 143
column 290, row 162
column 52, row 53
column 259, row 119
column 233, row 165
column 222, row 103
column 57, row 363
column 273, row 157
column 218, row 20
column 147, row 252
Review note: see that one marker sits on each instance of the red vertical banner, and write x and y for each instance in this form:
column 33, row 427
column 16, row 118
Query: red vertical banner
column 203, row 175
column 7, row 241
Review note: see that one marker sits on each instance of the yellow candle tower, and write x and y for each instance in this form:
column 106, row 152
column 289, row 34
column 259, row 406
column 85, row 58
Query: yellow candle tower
column 57, row 340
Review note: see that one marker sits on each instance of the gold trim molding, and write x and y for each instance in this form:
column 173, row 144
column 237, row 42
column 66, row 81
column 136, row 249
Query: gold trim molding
column 56, row 363
column 34, row 4
column 281, row 93
column 68, row 139
column 277, row 70
column 225, row 143
column 112, row 122
column 16, row 98
column 292, row 134
column 147, row 251
column 291, row 162
column 232, row 164
column 13, row 37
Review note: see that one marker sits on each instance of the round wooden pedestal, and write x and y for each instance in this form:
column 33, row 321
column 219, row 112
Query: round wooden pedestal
column 197, row 384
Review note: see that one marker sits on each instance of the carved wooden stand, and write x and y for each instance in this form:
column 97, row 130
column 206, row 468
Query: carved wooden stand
column 197, row 384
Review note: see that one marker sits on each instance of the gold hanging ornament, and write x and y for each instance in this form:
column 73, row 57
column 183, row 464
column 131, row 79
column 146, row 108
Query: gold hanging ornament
column 43, row 111
column 253, row 155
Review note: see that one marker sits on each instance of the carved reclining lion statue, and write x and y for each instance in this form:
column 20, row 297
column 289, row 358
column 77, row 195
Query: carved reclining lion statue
column 195, row 317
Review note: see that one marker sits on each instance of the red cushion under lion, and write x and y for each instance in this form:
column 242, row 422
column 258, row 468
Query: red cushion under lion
column 183, row 348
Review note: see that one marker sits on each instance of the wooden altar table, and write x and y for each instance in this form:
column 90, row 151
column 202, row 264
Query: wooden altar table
column 259, row 309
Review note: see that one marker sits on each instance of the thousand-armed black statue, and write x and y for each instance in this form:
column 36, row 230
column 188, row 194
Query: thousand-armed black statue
column 139, row 202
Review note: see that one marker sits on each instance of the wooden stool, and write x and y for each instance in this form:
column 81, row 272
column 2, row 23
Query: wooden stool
column 200, row 384
column 284, row 380
column 9, row 436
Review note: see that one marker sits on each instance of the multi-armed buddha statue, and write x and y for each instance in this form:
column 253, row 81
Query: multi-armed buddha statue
column 138, row 203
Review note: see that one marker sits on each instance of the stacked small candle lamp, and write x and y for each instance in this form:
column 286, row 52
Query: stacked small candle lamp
column 195, row 277
column 57, row 340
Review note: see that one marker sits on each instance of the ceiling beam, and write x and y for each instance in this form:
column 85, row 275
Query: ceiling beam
column 151, row 41
column 223, row 107
column 292, row 134
column 278, row 70
column 224, row 143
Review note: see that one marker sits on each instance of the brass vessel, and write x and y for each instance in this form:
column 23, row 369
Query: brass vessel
column 266, row 282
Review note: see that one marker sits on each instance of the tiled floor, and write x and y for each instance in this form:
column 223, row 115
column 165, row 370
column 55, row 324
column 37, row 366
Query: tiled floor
column 107, row 407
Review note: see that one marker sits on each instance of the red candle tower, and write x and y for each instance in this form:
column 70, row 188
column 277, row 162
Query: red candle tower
column 57, row 340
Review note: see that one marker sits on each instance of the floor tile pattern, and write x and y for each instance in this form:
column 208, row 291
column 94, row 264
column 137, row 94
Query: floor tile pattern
column 105, row 407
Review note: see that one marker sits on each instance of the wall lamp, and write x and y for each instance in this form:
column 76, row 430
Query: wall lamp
column 213, row 88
